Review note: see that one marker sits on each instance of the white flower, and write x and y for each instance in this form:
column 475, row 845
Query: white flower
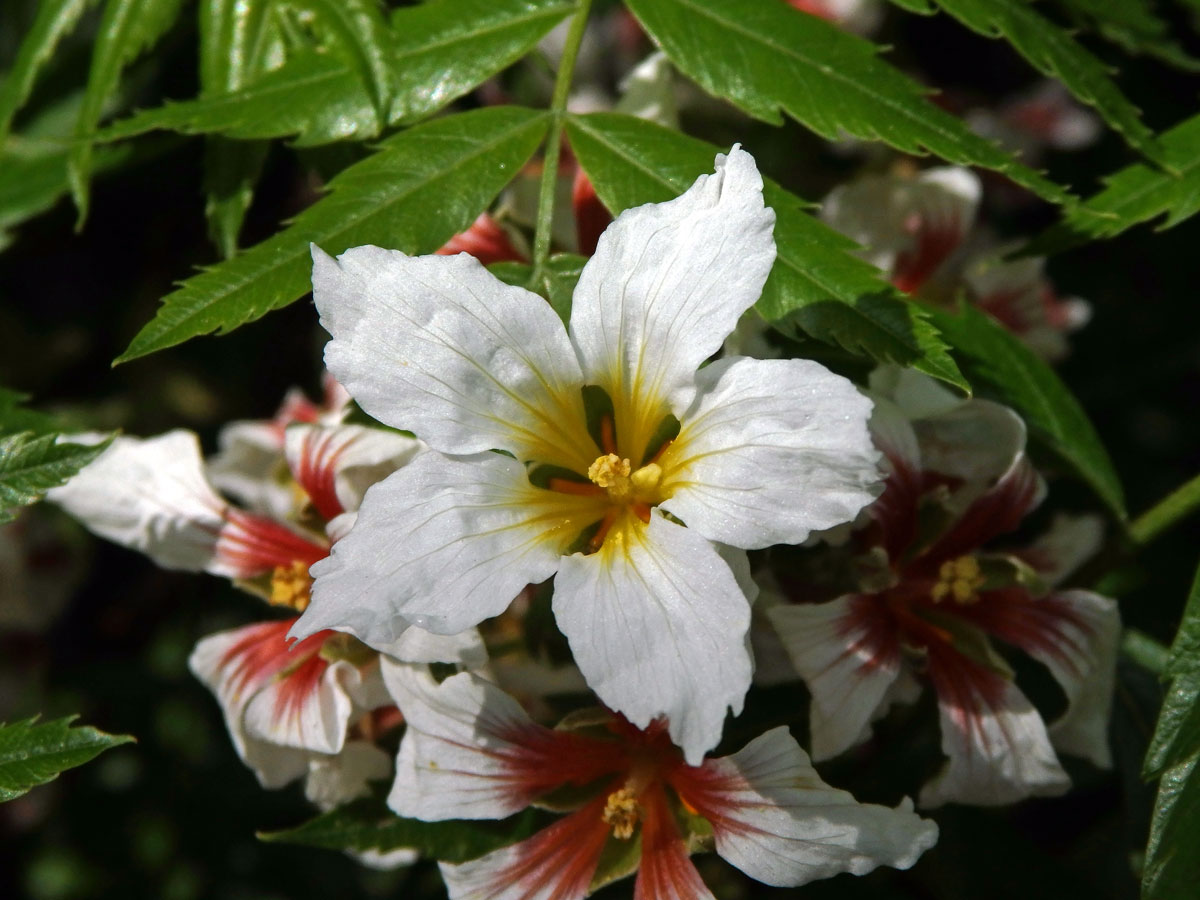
column 766, row 451
column 936, row 598
column 470, row 751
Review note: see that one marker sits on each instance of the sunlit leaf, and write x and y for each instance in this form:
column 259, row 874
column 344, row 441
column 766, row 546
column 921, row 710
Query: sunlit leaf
column 417, row 190
column 766, row 57
column 440, row 50
column 816, row 284
column 33, row 753
column 127, row 29
column 999, row 366
column 32, row 464
column 1053, row 51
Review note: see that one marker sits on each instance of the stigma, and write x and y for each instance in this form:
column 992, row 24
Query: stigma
column 958, row 579
column 291, row 586
column 622, row 812
column 622, row 482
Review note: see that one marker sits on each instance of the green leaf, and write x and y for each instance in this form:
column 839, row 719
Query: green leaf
column 54, row 21
column 765, row 56
column 15, row 417
column 358, row 30
column 558, row 280
column 127, row 29
column 239, row 41
column 1134, row 195
column 368, row 824
column 440, row 50
column 1134, row 26
column 1054, row 52
column 32, row 464
column 1000, row 366
column 816, row 284
column 421, row 187
column 1172, row 864
column 32, row 754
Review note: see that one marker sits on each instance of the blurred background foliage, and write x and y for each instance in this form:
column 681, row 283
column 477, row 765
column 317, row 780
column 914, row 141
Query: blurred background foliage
column 104, row 633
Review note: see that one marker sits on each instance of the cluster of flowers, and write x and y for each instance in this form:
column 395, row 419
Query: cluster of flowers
column 608, row 456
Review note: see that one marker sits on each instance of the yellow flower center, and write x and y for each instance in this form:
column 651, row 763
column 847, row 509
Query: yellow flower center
column 624, row 484
column 958, row 579
column 622, row 812
column 291, row 586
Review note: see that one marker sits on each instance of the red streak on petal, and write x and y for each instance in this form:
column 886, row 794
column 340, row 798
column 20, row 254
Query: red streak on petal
column 934, row 242
column 254, row 545
column 316, row 471
column 545, row 759
column 485, row 240
column 559, row 861
column 1044, row 625
column 263, row 652
column 895, row 512
column 665, row 872
column 591, row 216
column 968, row 690
column 997, row 512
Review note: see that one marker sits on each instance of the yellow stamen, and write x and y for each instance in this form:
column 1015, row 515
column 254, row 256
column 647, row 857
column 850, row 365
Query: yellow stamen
column 291, row 586
column 622, row 812
column 959, row 579
column 611, row 473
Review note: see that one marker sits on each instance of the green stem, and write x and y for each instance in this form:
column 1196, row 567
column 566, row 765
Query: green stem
column 558, row 109
column 1145, row 650
column 1167, row 512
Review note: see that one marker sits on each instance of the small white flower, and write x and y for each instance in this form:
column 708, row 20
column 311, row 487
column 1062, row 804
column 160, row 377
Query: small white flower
column 470, row 751
column 629, row 517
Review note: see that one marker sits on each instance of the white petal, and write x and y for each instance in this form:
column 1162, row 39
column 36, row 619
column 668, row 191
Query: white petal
column 666, row 285
column 416, row 645
column 776, row 820
column 648, row 91
column 210, row 662
column 848, row 665
column 996, row 741
column 336, row 464
column 249, row 465
column 769, row 451
column 976, row 441
column 557, row 863
column 658, row 625
column 1069, row 542
column 443, row 543
column 1083, row 660
column 458, row 753
column 917, row 395
column 440, row 347
column 149, row 495
column 316, row 720
column 345, row 776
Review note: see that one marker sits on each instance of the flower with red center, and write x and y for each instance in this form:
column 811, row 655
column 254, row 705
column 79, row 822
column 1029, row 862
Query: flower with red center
column 470, row 751
column 908, row 226
column 934, row 597
column 282, row 703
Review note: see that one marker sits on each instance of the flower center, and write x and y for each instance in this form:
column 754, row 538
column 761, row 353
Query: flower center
column 624, row 484
column 960, row 580
column 622, row 812
column 291, row 586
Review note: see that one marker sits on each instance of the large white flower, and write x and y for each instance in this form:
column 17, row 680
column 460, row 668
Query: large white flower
column 620, row 464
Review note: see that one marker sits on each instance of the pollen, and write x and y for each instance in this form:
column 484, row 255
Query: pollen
column 612, row 473
column 291, row 586
column 960, row 580
column 622, row 812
